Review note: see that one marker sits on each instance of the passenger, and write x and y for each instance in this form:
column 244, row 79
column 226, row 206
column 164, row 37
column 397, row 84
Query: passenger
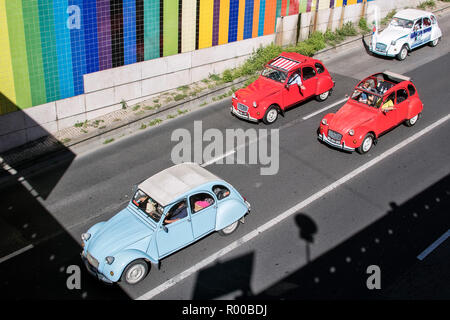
column 388, row 105
column 202, row 204
column 296, row 79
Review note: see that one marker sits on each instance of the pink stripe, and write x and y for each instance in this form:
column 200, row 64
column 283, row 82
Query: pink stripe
column 278, row 62
column 285, row 63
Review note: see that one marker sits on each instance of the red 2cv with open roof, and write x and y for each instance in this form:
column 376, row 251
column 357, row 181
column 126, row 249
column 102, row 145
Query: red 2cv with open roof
column 379, row 103
column 286, row 81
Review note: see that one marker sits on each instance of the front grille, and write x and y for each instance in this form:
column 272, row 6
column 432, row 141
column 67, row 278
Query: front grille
column 335, row 136
column 92, row 260
column 380, row 47
column 242, row 107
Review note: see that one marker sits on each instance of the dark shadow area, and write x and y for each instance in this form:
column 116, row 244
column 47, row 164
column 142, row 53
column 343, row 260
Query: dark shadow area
column 225, row 278
column 308, row 229
column 392, row 243
column 35, row 249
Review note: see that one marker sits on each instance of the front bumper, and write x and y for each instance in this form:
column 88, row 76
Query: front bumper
column 389, row 52
column 93, row 271
column 242, row 115
column 342, row 146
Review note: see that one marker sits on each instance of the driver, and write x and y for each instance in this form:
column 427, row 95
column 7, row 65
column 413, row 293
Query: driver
column 296, row 79
column 179, row 213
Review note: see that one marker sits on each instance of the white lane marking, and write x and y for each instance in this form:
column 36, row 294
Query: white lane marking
column 434, row 245
column 218, row 158
column 323, row 109
column 279, row 218
column 16, row 253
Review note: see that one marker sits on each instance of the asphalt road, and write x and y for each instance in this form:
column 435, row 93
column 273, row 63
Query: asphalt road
column 385, row 215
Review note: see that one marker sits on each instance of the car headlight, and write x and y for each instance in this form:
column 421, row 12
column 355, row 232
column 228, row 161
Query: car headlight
column 109, row 259
column 233, row 96
column 393, row 42
column 85, row 236
column 255, row 104
column 324, row 121
column 351, row 132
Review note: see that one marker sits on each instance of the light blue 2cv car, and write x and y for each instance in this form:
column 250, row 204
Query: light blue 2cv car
column 168, row 211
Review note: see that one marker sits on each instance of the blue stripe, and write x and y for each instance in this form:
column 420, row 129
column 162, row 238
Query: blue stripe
column 78, row 52
column 91, row 37
column 63, row 50
column 129, row 31
column 233, row 20
column 248, row 19
column 262, row 12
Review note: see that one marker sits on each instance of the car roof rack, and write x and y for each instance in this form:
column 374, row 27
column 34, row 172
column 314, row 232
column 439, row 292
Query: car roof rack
column 396, row 77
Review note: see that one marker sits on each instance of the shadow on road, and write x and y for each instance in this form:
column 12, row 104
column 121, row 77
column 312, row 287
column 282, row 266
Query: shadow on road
column 35, row 249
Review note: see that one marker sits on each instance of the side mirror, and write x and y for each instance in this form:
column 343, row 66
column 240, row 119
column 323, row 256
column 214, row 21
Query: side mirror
column 346, row 96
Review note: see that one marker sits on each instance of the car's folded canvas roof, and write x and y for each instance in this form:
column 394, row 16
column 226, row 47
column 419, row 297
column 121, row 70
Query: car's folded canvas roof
column 171, row 183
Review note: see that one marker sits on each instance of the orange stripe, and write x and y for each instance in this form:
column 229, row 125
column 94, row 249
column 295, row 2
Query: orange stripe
column 255, row 18
column 269, row 18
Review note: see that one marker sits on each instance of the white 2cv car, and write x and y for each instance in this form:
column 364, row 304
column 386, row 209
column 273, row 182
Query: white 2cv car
column 168, row 211
column 408, row 29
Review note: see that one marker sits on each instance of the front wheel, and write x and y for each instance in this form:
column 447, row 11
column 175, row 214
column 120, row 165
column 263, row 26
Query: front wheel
column 403, row 53
column 412, row 121
column 230, row 229
column 323, row 96
column 271, row 115
column 135, row 272
column 366, row 144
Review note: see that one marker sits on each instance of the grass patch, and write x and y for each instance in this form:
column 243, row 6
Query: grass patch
column 203, row 104
column 183, row 88
column 179, row 97
column 362, row 24
column 388, row 17
column 171, row 116
column 136, row 107
column 65, row 140
column 108, row 141
column 124, row 104
column 215, row 77
column 143, row 126
column 427, row 4
column 154, row 122
column 182, row 111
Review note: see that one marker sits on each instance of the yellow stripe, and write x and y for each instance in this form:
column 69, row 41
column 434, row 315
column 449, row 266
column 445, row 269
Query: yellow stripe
column 223, row 21
column 206, row 23
column 351, row 2
column 241, row 17
column 338, row 3
column 6, row 71
column 188, row 25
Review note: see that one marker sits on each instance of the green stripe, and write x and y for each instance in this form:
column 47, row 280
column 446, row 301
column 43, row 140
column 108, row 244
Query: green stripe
column 34, row 51
column 48, row 42
column 151, row 29
column 170, row 27
column 18, row 53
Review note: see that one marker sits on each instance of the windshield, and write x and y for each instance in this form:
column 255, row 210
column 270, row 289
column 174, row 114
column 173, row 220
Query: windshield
column 398, row 22
column 147, row 205
column 367, row 98
column 274, row 74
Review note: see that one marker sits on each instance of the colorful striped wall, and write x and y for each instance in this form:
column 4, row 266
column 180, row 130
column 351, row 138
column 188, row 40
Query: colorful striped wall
column 48, row 45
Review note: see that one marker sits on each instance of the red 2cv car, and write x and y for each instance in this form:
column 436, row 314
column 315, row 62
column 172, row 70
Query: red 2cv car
column 286, row 80
column 379, row 103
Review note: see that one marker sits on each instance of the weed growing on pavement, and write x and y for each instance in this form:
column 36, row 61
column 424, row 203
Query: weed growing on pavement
column 427, row 4
column 362, row 24
column 136, row 107
column 154, row 122
column 108, row 141
column 388, row 17
column 179, row 97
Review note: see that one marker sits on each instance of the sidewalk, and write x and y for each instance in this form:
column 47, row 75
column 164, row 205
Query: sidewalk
column 159, row 109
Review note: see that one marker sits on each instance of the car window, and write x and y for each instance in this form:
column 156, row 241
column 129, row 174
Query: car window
column 274, row 74
column 418, row 25
column 398, row 22
column 388, row 102
column 308, row 73
column 177, row 212
column 411, row 89
column 147, row 205
column 433, row 19
column 221, row 192
column 293, row 75
column 320, row 68
column 426, row 22
column 200, row 201
column 402, row 95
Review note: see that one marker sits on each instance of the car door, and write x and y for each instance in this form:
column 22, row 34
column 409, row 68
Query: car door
column 175, row 235
column 416, row 35
column 387, row 119
column 309, row 79
column 427, row 28
column 203, row 209
column 402, row 104
column 291, row 92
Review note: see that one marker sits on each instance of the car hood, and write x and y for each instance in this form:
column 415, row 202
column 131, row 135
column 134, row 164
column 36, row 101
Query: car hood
column 257, row 90
column 350, row 116
column 391, row 33
column 119, row 232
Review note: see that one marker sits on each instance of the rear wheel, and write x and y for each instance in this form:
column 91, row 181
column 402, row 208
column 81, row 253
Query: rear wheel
column 230, row 229
column 271, row 115
column 435, row 42
column 323, row 96
column 403, row 53
column 366, row 144
column 135, row 272
column 412, row 121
